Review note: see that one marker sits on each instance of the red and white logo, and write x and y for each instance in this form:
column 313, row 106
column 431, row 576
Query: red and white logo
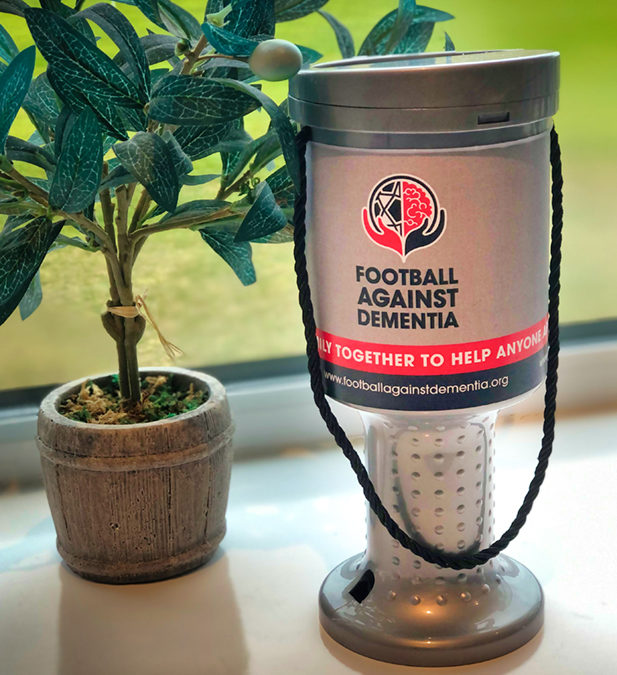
column 403, row 214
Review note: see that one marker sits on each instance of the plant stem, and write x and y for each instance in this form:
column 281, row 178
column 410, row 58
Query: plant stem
column 107, row 207
column 181, row 222
column 133, row 330
column 131, row 187
column 192, row 56
column 137, row 246
column 122, row 199
column 140, row 210
column 208, row 57
column 223, row 193
column 126, row 331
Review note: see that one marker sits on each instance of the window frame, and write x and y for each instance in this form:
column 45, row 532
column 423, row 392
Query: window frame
column 273, row 408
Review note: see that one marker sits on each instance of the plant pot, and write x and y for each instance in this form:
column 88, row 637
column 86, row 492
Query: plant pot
column 138, row 502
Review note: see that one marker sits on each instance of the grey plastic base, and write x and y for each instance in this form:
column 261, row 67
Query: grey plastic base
column 473, row 616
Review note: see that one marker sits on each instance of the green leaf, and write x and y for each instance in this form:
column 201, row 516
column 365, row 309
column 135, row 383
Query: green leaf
column 12, row 222
column 414, row 40
column 222, row 63
column 181, row 161
column 288, row 10
column 234, row 143
column 214, row 6
column 449, row 45
column 78, row 175
column 42, row 183
column 157, row 73
column 308, row 55
column 42, row 100
column 16, row 7
column 120, row 30
column 8, row 49
column 282, row 187
column 238, row 255
column 178, row 21
column 402, row 22
column 186, row 100
column 283, row 236
column 133, row 120
column 23, row 151
column 108, row 113
column 263, row 218
column 57, row 7
column 21, row 253
column 198, row 179
column 268, row 151
column 81, row 66
column 66, row 119
column 343, row 36
column 37, row 139
column 14, row 206
column 280, row 123
column 150, row 8
column 157, row 47
column 235, row 162
column 201, row 141
column 42, row 106
column 81, row 26
column 117, row 176
column 198, row 208
column 378, row 36
column 77, row 242
column 228, row 157
column 428, row 14
column 14, row 83
column 67, row 96
column 249, row 18
column 31, row 298
column 150, row 160
column 226, row 42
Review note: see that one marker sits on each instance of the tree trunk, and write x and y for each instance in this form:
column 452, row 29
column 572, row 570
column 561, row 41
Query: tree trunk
column 126, row 333
column 133, row 330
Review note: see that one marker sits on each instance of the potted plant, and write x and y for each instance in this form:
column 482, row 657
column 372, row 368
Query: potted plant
column 137, row 463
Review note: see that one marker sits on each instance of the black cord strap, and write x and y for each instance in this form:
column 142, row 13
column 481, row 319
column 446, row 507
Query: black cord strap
column 453, row 561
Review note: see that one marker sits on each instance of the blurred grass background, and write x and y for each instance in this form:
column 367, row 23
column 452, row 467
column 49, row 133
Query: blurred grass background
column 201, row 306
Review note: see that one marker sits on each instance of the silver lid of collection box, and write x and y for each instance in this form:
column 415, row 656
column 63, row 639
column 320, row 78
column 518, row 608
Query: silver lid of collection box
column 434, row 92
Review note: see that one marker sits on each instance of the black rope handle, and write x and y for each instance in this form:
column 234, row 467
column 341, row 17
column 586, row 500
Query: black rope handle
column 452, row 561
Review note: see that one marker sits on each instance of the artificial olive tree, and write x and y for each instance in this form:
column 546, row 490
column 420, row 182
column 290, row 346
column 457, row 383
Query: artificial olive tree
column 116, row 136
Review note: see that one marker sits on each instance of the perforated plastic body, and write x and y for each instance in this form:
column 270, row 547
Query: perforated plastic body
column 436, row 475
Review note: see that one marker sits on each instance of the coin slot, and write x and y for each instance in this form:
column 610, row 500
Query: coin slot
column 493, row 118
column 363, row 586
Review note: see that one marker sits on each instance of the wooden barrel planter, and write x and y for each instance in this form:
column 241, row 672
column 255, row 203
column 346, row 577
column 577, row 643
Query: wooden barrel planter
column 139, row 502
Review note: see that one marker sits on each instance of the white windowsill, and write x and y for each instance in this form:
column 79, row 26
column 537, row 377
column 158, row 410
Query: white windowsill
column 291, row 518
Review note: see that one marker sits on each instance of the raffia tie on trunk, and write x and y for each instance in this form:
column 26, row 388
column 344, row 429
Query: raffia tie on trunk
column 140, row 308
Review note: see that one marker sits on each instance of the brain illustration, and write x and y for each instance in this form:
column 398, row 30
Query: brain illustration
column 402, row 204
column 417, row 205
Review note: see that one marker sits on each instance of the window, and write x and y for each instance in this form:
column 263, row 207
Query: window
column 201, row 306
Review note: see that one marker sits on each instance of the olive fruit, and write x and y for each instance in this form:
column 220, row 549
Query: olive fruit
column 275, row 60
